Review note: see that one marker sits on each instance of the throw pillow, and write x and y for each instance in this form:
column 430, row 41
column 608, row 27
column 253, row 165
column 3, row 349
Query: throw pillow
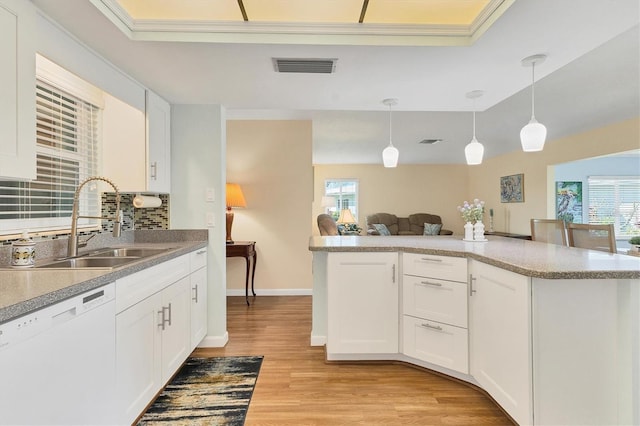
column 381, row 228
column 432, row 228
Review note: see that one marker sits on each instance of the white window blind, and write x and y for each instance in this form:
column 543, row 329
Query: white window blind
column 615, row 199
column 67, row 130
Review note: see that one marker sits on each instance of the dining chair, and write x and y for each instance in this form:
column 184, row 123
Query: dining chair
column 594, row 237
column 552, row 231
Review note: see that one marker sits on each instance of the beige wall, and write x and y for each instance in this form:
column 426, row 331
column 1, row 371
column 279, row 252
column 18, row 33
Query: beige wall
column 271, row 160
column 406, row 189
column 484, row 180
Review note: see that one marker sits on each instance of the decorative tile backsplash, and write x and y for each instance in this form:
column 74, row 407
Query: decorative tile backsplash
column 133, row 219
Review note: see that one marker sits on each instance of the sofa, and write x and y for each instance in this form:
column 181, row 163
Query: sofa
column 414, row 224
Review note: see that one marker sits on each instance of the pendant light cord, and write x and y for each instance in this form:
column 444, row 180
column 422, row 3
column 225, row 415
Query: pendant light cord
column 533, row 90
column 474, row 118
column 390, row 142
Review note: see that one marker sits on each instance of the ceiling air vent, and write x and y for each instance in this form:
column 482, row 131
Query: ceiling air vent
column 313, row 66
column 430, row 141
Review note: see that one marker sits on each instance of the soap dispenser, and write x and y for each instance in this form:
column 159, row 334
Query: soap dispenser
column 23, row 253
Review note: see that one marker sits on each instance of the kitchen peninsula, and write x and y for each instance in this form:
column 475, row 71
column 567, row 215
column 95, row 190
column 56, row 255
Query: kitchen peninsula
column 552, row 333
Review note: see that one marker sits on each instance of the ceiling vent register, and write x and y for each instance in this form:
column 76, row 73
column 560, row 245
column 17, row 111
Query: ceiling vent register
column 309, row 66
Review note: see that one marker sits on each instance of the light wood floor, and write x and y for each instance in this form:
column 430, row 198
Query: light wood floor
column 297, row 387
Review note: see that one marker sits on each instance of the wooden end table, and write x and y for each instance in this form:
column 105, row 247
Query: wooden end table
column 246, row 249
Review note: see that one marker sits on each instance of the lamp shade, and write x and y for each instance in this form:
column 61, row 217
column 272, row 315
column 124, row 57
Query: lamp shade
column 532, row 136
column 235, row 198
column 390, row 156
column 474, row 151
column 346, row 217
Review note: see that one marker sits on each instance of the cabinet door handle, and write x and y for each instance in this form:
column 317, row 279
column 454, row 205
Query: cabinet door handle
column 201, row 252
column 430, row 259
column 471, row 280
column 195, row 294
column 433, row 327
column 393, row 274
column 154, row 170
column 161, row 316
column 168, row 308
column 430, row 283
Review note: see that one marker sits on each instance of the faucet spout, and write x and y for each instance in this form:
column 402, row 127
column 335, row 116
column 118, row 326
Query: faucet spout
column 72, row 248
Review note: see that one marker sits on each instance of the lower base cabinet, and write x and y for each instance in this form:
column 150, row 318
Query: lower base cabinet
column 154, row 336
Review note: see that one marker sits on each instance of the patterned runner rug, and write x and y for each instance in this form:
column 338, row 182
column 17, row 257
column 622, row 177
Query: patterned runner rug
column 207, row 391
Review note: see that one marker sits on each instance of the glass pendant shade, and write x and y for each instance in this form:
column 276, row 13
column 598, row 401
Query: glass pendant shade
column 474, row 151
column 532, row 136
column 390, row 156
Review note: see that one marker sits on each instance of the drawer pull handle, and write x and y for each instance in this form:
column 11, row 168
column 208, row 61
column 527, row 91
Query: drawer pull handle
column 429, row 259
column 430, row 283
column 195, row 294
column 393, row 274
column 201, row 252
column 168, row 308
column 161, row 316
column 154, row 170
column 433, row 327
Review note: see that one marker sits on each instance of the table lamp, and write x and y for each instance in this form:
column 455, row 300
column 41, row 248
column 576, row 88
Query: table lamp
column 346, row 217
column 234, row 199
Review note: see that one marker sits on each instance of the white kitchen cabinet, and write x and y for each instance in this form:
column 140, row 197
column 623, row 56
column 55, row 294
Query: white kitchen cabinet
column 17, row 89
column 362, row 304
column 159, row 144
column 198, row 279
column 124, row 155
column 500, row 329
column 434, row 308
column 153, row 332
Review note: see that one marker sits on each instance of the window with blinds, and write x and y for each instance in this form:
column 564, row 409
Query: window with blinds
column 67, row 130
column 615, row 199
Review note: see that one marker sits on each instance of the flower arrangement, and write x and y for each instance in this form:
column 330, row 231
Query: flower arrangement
column 349, row 228
column 472, row 212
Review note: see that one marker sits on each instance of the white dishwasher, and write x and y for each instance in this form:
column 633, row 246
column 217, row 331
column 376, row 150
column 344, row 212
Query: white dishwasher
column 57, row 365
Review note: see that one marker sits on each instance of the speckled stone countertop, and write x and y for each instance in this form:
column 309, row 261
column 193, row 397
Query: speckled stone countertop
column 529, row 258
column 25, row 290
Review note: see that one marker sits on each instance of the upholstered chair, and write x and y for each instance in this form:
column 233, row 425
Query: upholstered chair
column 327, row 225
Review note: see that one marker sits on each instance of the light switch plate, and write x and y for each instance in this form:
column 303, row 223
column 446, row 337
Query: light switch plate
column 210, row 195
column 211, row 222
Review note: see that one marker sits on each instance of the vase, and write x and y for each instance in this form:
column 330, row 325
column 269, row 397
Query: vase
column 468, row 231
column 478, row 231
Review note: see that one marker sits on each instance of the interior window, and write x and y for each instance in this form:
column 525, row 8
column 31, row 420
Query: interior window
column 67, row 133
column 341, row 194
column 615, row 199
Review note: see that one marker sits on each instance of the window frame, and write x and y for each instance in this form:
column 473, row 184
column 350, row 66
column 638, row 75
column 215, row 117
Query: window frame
column 616, row 212
column 342, row 200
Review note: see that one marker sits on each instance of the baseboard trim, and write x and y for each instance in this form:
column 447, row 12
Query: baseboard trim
column 214, row 341
column 272, row 292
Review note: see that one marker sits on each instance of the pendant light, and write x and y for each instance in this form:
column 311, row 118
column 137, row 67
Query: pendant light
column 390, row 154
column 533, row 135
column 474, row 151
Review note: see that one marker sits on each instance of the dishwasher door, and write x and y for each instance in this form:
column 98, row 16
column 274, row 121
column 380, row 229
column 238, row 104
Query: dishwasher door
column 57, row 365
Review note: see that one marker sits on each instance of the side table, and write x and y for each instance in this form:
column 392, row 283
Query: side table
column 246, row 249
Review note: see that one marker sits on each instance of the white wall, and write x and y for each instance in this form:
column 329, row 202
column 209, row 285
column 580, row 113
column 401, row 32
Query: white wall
column 271, row 160
column 198, row 149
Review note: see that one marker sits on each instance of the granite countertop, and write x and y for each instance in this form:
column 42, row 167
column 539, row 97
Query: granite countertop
column 529, row 258
column 26, row 290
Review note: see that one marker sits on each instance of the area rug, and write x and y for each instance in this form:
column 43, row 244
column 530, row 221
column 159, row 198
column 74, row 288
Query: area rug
column 206, row 391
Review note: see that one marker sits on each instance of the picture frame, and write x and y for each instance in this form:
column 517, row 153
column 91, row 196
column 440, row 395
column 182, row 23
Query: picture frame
column 512, row 189
column 569, row 201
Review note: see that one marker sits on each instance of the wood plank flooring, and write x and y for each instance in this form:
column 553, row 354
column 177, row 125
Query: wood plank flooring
column 297, row 387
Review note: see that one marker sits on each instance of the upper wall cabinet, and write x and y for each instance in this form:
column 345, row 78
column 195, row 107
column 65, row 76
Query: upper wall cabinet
column 159, row 143
column 124, row 156
column 17, row 90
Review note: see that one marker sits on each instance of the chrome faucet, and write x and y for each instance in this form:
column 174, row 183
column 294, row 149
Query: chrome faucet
column 72, row 248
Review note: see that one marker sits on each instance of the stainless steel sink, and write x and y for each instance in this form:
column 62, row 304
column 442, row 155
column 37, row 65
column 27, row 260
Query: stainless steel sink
column 127, row 252
column 89, row 262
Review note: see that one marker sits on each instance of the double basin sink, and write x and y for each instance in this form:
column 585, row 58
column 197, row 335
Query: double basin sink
column 106, row 258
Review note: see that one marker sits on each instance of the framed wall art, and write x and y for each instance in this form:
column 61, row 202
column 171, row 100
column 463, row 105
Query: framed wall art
column 569, row 201
column 512, row 189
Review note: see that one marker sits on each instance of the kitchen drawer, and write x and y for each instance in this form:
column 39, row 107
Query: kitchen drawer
column 140, row 285
column 198, row 259
column 437, row 343
column 428, row 265
column 436, row 300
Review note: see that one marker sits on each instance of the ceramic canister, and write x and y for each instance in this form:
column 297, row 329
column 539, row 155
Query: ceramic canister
column 23, row 253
